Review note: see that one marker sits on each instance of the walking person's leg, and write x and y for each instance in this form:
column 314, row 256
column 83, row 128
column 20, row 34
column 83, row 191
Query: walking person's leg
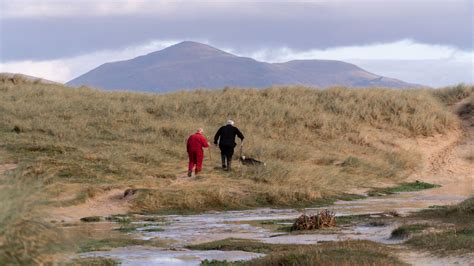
column 229, row 154
column 192, row 162
column 199, row 159
column 223, row 157
column 190, row 165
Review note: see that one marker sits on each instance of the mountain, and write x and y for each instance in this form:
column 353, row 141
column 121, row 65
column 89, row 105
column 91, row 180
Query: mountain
column 190, row 65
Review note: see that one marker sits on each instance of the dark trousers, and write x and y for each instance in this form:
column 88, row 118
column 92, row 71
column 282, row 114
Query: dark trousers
column 226, row 155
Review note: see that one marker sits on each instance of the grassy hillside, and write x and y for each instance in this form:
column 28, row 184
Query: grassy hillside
column 317, row 143
column 73, row 144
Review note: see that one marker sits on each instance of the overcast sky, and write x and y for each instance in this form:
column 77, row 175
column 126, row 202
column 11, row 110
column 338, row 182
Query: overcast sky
column 419, row 41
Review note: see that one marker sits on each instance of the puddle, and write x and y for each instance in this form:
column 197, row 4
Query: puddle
column 378, row 234
column 138, row 255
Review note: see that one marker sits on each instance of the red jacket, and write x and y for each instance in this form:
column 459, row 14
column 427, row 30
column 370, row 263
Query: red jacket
column 196, row 142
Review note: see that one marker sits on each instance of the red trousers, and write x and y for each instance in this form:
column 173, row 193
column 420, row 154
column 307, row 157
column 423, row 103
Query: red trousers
column 195, row 158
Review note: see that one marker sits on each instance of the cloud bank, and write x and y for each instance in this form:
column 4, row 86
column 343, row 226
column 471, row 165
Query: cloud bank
column 49, row 29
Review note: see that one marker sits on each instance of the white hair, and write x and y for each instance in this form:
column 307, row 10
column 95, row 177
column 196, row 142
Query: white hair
column 230, row 122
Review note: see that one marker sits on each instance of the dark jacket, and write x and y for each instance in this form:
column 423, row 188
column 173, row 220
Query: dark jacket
column 226, row 136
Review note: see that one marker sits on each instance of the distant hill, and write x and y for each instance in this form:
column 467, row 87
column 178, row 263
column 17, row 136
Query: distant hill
column 190, row 65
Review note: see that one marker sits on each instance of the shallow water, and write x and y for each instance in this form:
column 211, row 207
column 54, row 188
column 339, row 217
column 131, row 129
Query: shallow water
column 193, row 229
column 403, row 203
column 139, row 255
column 182, row 230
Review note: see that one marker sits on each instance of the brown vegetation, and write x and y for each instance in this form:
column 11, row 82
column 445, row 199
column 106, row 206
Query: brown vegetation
column 73, row 144
column 330, row 140
column 323, row 219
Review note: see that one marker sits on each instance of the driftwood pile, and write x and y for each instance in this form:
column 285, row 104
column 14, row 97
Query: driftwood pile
column 322, row 219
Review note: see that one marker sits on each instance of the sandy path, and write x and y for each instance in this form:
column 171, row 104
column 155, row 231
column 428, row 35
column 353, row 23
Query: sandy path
column 452, row 167
column 5, row 168
column 449, row 165
column 108, row 203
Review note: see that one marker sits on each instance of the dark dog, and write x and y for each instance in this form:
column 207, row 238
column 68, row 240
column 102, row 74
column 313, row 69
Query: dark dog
column 250, row 161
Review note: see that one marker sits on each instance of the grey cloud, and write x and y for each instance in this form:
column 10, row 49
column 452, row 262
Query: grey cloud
column 299, row 26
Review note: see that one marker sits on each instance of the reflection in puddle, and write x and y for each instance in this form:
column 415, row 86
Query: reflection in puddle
column 138, row 255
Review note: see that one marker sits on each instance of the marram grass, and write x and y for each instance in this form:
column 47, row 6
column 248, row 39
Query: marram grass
column 73, row 144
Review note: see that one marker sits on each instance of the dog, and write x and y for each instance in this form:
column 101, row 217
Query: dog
column 250, row 161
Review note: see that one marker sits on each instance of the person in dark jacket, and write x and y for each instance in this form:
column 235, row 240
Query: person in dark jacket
column 194, row 146
column 225, row 136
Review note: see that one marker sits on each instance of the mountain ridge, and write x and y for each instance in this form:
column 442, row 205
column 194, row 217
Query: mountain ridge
column 192, row 65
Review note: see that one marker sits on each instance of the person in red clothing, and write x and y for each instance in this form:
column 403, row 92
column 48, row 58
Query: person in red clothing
column 195, row 144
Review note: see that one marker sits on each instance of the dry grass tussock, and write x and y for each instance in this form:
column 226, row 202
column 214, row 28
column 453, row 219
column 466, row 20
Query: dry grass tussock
column 25, row 238
column 317, row 143
column 451, row 95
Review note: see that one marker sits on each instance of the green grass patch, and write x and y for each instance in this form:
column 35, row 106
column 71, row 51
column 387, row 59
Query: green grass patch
column 459, row 240
column 110, row 243
column 207, row 262
column 404, row 187
column 352, row 219
column 461, row 214
column 350, row 197
column 242, row 244
column 343, row 253
column 127, row 228
column 405, row 231
column 91, row 219
column 331, row 253
column 93, row 261
column 119, row 218
column 155, row 229
column 437, row 207
column 154, row 219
